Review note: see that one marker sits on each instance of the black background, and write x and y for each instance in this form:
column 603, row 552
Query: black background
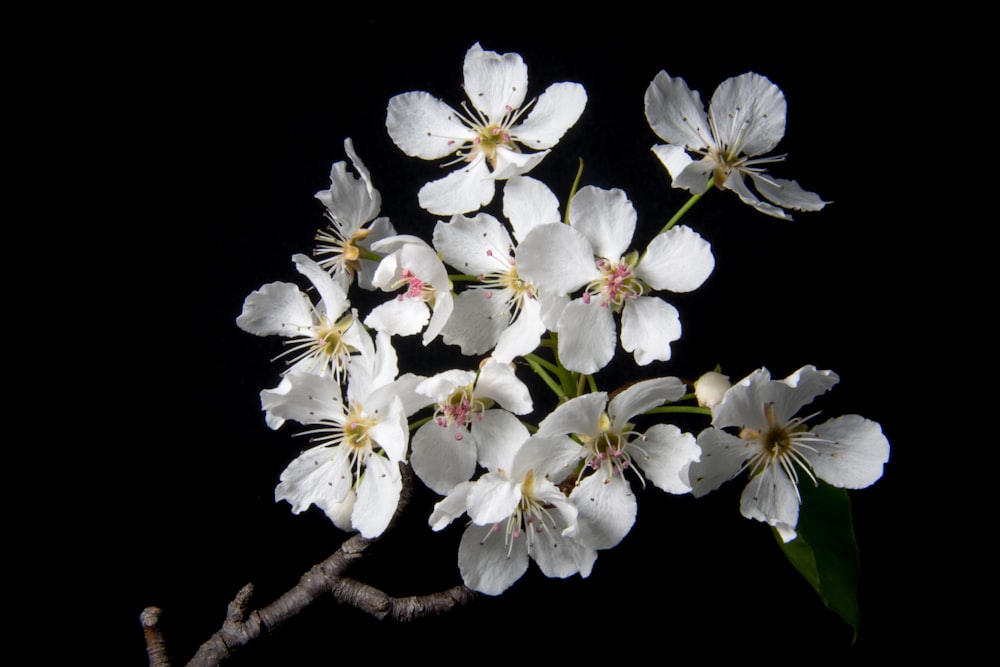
column 224, row 136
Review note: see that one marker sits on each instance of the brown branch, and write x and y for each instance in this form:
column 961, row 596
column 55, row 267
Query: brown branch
column 156, row 646
column 242, row 626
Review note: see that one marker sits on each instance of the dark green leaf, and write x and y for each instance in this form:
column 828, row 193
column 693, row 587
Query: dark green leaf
column 825, row 551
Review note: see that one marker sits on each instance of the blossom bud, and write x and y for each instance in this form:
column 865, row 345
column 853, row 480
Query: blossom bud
column 710, row 388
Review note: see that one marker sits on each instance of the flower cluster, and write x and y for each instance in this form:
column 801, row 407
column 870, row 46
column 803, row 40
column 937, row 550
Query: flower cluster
column 547, row 291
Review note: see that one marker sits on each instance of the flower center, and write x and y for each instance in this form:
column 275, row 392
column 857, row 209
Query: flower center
column 781, row 444
column 609, row 450
column 353, row 432
column 617, row 283
column 324, row 346
column 520, row 290
column 460, row 408
column 490, row 139
column 529, row 520
column 415, row 287
column 356, row 428
column 339, row 251
column 491, row 135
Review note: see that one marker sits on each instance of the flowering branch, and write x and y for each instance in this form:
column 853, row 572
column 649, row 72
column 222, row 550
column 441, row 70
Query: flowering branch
column 558, row 490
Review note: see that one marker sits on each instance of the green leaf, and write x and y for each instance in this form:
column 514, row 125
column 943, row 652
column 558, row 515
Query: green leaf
column 825, row 552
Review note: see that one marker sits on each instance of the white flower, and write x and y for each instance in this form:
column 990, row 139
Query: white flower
column 488, row 139
column 466, row 428
column 612, row 448
column 322, row 337
column 774, row 445
column 351, row 203
column 426, row 301
column 502, row 313
column 590, row 253
column 745, row 121
column 517, row 514
column 353, row 473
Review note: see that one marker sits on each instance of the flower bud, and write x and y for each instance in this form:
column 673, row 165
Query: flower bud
column 710, row 388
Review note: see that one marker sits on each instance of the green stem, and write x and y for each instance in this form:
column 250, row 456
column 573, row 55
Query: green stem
column 417, row 423
column 684, row 209
column 544, row 374
column 461, row 277
column 545, row 363
column 693, row 409
column 364, row 253
column 572, row 190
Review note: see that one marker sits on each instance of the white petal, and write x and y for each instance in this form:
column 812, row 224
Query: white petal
column 743, row 404
column 555, row 111
column 332, row 296
column 736, row 183
column 399, row 317
column 749, row 112
column 772, row 497
column 561, row 556
column 641, row 396
column 352, row 201
column 557, row 553
column 649, row 325
column 510, row 163
column 497, row 437
column 478, row 318
column 378, row 496
column 440, row 385
column 492, row 498
column 468, row 188
column 722, row 457
column 425, row 127
column 404, row 387
column 380, row 229
column 787, row 194
column 278, row 308
column 552, row 457
column 440, row 459
column 498, row 381
column 666, row 456
column 679, row 260
column 390, row 431
column 320, row 476
column 449, row 508
column 489, row 566
column 581, row 415
column 495, row 83
column 527, row 203
column 676, row 113
column 586, row 336
column 854, row 455
column 696, row 176
column 523, row 335
column 676, row 160
column 552, row 306
column 308, row 399
column 556, row 258
column 475, row 246
column 340, row 513
column 444, row 305
column 606, row 217
column 372, row 375
column 606, row 508
column 271, row 397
